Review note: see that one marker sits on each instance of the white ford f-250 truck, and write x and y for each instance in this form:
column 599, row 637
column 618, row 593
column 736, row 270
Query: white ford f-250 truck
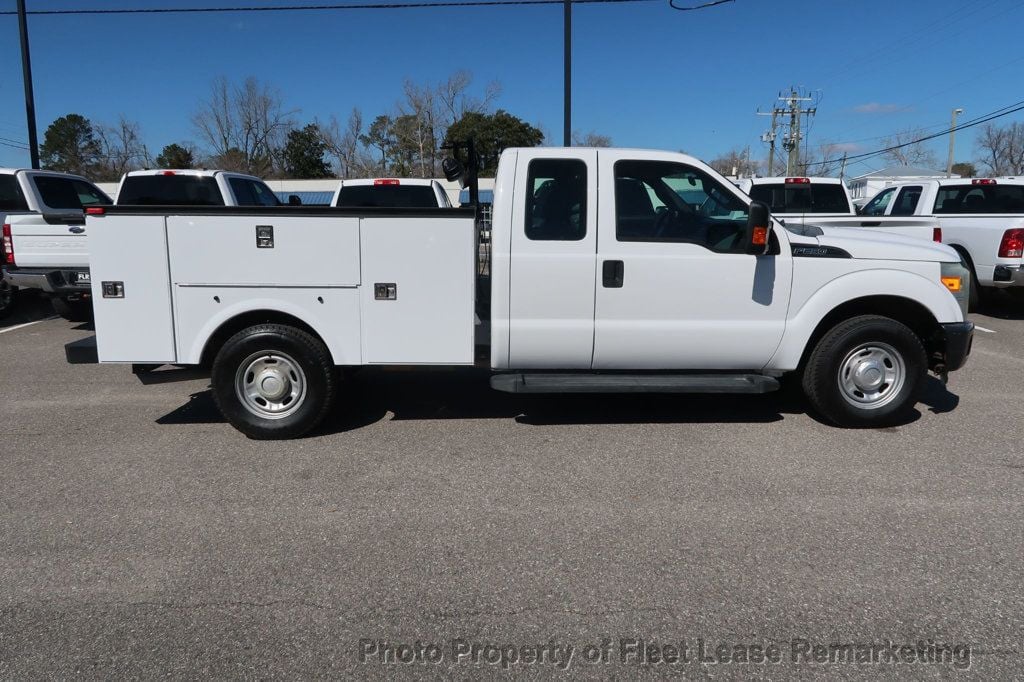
column 982, row 218
column 44, row 235
column 625, row 288
column 825, row 202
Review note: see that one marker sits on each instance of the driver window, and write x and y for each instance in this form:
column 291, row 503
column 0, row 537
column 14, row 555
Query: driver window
column 881, row 201
column 663, row 201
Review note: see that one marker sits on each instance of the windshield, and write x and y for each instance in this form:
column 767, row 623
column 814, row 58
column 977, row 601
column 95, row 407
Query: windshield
column 387, row 196
column 803, row 198
column 169, row 190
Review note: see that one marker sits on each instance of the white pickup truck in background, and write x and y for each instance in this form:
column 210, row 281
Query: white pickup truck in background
column 44, row 235
column 390, row 193
column 982, row 218
column 671, row 280
column 825, row 202
column 156, row 187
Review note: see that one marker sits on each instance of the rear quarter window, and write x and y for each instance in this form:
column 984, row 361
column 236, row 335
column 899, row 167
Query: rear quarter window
column 11, row 196
column 980, row 199
column 169, row 190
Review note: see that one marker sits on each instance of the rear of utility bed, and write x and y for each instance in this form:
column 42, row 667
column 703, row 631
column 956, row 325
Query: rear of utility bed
column 382, row 286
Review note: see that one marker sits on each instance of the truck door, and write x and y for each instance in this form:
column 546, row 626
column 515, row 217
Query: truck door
column 674, row 288
column 552, row 262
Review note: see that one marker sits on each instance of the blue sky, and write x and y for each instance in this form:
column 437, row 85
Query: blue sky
column 644, row 74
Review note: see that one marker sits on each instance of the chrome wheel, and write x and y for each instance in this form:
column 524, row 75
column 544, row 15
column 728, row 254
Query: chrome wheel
column 872, row 375
column 270, row 385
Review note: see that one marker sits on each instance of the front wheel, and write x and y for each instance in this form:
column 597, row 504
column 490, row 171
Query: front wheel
column 272, row 381
column 865, row 372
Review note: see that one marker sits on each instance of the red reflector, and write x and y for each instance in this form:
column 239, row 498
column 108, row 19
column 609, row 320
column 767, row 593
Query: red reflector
column 798, row 181
column 95, row 210
column 1012, row 245
column 760, row 236
column 8, row 246
column 168, row 173
column 983, row 181
column 937, row 234
column 387, row 181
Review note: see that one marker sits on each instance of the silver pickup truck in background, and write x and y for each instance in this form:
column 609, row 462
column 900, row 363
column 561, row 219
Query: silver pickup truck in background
column 44, row 235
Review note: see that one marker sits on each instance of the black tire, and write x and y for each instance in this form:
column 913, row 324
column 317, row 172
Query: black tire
column 283, row 351
column 7, row 298
column 79, row 310
column 834, row 357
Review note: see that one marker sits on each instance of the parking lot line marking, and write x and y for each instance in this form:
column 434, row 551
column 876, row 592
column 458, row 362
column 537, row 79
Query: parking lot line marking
column 982, row 329
column 26, row 324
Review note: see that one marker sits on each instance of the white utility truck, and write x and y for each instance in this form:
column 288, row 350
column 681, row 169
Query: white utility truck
column 44, row 235
column 603, row 279
column 982, row 218
column 825, row 202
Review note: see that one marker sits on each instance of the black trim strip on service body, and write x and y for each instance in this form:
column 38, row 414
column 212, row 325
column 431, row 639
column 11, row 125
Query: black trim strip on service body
column 287, row 211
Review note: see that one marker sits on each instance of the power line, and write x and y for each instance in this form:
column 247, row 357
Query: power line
column 985, row 118
column 353, row 6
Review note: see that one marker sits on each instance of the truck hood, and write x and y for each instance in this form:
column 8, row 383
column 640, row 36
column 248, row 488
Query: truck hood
column 872, row 245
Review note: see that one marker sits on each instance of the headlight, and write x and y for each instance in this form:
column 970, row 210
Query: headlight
column 957, row 279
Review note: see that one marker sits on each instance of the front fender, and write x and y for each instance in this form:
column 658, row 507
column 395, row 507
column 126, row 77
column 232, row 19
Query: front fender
column 852, row 286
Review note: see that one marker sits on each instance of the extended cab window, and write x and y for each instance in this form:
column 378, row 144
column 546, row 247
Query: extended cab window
column 169, row 190
column 252, row 193
column 663, row 201
column 990, row 199
column 802, row 198
column 11, row 197
column 556, row 200
column 881, row 201
column 68, row 193
column 906, row 202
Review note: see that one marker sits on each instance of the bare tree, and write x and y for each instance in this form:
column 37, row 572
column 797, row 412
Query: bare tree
column 455, row 100
column 121, row 149
column 905, row 150
column 736, row 162
column 420, row 131
column 591, row 139
column 344, row 147
column 244, row 126
column 1002, row 148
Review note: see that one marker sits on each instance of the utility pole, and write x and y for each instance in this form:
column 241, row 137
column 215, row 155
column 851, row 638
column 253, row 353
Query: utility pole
column 792, row 142
column 769, row 137
column 567, row 112
column 30, row 100
column 952, row 135
column 842, row 169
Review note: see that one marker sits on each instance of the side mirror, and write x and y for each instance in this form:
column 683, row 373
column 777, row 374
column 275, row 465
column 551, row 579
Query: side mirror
column 759, row 227
column 294, row 200
column 454, row 171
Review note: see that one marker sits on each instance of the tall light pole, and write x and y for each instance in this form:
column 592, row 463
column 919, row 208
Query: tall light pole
column 567, row 111
column 30, row 100
column 952, row 135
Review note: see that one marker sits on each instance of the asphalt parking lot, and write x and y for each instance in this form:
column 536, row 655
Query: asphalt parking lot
column 142, row 536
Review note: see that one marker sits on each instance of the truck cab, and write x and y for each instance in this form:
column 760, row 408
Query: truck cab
column 390, row 193
column 193, row 187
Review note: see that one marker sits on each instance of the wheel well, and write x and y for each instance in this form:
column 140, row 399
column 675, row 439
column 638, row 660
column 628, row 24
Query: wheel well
column 963, row 254
column 249, row 319
column 905, row 310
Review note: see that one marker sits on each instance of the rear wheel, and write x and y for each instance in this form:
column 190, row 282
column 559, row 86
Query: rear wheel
column 78, row 310
column 273, row 381
column 865, row 372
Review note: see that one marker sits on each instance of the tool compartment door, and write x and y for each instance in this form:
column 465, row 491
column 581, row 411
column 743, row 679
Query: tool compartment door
column 131, row 289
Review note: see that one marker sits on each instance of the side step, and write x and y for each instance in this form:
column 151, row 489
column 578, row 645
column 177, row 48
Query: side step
column 634, row 383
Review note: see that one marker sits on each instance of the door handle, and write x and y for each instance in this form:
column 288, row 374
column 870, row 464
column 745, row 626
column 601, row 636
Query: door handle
column 612, row 273
column 870, row 223
column 76, row 229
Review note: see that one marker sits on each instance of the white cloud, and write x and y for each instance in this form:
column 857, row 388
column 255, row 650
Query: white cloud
column 878, row 108
column 842, row 147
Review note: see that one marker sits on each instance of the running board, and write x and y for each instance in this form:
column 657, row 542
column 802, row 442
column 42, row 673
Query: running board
column 634, row 383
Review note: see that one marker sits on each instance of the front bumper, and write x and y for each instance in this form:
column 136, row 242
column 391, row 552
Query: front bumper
column 63, row 282
column 957, row 340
